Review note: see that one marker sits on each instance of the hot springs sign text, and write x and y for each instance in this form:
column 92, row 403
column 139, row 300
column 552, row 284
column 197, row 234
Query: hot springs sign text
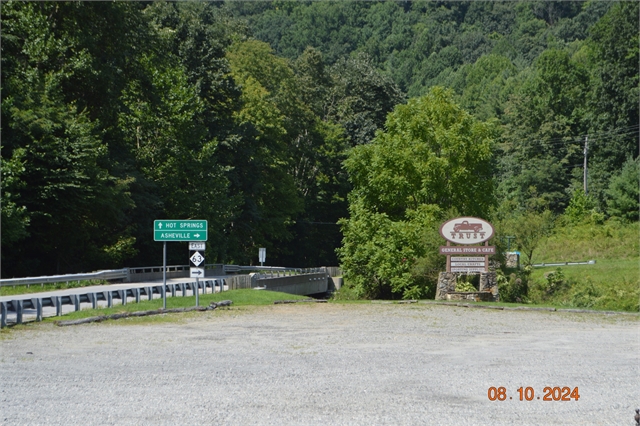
column 467, row 230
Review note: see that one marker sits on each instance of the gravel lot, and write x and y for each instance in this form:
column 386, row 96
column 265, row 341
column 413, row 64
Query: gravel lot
column 323, row 364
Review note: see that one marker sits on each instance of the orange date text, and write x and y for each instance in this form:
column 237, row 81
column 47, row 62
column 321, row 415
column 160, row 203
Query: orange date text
column 556, row 393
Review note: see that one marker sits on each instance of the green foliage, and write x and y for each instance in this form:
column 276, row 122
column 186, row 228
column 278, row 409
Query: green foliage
column 432, row 152
column 433, row 156
column 465, row 286
column 542, row 117
column 515, row 287
column 613, row 282
column 118, row 113
column 59, row 192
column 582, row 208
column 360, row 98
column 609, row 284
column 623, row 194
column 613, row 114
column 585, row 241
column 378, row 253
column 530, row 228
column 555, row 282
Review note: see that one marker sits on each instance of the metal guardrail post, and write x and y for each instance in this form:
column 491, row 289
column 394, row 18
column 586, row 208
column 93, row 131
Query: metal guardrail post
column 3, row 314
column 17, row 304
column 57, row 300
column 38, row 309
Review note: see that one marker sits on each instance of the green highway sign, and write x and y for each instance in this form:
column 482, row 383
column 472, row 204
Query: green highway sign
column 180, row 230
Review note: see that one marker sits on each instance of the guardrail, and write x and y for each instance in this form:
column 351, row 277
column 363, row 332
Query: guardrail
column 38, row 301
column 114, row 274
column 586, row 262
column 152, row 273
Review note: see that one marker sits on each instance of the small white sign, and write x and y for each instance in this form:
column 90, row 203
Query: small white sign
column 469, row 269
column 196, row 273
column 467, row 259
column 262, row 254
column 196, row 245
column 459, row 264
column 197, row 258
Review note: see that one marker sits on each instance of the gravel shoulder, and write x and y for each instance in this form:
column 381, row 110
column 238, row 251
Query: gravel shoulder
column 323, row 364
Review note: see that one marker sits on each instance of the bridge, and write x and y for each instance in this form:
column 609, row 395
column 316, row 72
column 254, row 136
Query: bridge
column 141, row 284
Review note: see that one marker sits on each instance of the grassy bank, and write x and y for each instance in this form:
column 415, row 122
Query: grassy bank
column 612, row 283
column 611, row 240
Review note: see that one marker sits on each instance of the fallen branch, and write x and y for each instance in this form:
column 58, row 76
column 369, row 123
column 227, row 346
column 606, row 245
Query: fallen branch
column 279, row 302
column 88, row 320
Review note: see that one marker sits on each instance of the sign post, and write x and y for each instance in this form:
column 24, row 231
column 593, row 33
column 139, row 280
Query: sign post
column 178, row 230
column 164, row 275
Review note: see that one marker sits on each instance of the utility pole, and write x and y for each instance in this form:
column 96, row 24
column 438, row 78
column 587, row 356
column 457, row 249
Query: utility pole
column 586, row 150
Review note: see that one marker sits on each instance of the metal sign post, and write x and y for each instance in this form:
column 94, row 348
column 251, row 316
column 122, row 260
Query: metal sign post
column 197, row 291
column 164, row 276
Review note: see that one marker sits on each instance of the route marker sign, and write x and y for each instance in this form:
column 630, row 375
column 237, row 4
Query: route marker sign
column 180, row 230
column 197, row 246
column 196, row 272
column 196, row 259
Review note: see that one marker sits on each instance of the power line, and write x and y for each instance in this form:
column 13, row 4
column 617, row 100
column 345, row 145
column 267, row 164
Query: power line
column 565, row 140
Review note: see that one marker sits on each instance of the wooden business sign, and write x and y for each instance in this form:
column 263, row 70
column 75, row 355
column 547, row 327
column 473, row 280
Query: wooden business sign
column 466, row 231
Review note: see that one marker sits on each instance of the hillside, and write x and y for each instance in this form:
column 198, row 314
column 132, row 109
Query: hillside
column 252, row 115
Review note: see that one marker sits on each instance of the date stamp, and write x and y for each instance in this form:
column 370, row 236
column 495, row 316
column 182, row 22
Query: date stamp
column 549, row 393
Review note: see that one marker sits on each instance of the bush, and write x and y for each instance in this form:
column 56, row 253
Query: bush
column 623, row 192
column 555, row 282
column 586, row 296
column 515, row 287
column 465, row 286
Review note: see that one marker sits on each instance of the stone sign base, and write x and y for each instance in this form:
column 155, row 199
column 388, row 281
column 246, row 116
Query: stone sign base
column 474, row 296
column 447, row 285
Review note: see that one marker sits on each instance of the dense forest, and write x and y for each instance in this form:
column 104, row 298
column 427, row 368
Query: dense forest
column 327, row 132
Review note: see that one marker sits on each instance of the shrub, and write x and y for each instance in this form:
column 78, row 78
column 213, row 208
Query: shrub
column 555, row 282
column 513, row 288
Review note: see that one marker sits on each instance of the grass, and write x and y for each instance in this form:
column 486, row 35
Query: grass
column 610, row 284
column 613, row 283
column 611, row 240
column 38, row 288
column 245, row 297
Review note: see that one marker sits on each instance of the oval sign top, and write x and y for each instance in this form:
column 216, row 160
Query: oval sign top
column 466, row 230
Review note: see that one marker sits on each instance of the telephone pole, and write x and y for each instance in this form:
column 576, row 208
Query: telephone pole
column 586, row 150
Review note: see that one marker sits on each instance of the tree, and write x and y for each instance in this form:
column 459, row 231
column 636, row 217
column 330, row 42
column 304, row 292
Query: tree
column 623, row 195
column 433, row 157
column 612, row 112
column 68, row 208
column 361, row 98
column 530, row 228
column 543, row 117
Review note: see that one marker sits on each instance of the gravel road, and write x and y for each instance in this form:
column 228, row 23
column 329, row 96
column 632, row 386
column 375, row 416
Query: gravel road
column 323, row 364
